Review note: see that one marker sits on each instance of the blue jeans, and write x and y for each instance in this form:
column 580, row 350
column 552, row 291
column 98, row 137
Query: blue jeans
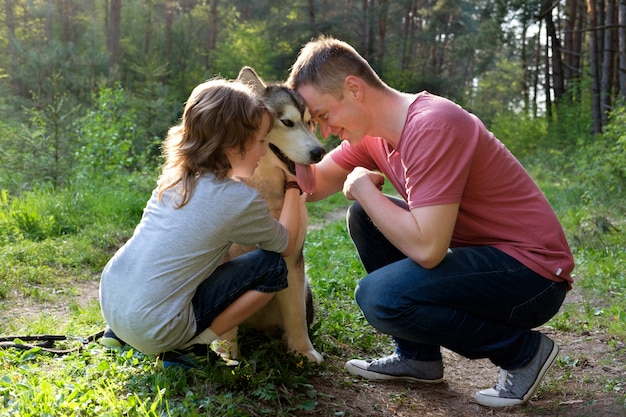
column 478, row 302
column 258, row 270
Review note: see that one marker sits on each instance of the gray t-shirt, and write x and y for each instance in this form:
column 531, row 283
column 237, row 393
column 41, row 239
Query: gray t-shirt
column 147, row 287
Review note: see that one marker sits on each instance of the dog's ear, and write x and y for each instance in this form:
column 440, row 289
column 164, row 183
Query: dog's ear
column 247, row 75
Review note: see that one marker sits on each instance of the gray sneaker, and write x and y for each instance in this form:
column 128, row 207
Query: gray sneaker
column 397, row 368
column 517, row 386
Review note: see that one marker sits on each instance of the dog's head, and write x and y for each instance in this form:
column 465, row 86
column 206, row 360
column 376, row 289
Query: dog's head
column 292, row 139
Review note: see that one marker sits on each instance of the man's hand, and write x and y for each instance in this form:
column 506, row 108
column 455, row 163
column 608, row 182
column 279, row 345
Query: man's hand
column 361, row 181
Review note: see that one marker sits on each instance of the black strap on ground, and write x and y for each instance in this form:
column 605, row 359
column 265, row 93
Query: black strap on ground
column 46, row 342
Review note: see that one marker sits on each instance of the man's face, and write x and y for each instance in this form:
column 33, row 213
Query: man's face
column 337, row 116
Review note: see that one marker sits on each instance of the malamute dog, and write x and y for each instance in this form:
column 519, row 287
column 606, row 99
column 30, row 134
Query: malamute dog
column 293, row 145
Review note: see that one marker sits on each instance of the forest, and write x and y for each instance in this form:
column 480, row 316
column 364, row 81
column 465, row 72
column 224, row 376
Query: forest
column 90, row 87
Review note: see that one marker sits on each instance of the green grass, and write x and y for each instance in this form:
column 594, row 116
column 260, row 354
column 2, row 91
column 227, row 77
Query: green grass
column 52, row 240
column 595, row 231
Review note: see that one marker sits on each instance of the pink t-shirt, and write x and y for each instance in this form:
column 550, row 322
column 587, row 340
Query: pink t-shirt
column 446, row 155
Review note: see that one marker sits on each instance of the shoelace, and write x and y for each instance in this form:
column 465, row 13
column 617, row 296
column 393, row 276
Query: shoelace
column 504, row 379
column 388, row 359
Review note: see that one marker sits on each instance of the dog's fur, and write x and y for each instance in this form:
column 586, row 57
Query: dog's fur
column 290, row 141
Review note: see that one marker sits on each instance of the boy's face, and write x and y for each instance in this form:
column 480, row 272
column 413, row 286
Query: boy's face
column 243, row 166
column 341, row 117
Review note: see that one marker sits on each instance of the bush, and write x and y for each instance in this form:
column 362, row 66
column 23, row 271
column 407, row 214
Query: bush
column 522, row 135
column 600, row 162
column 106, row 134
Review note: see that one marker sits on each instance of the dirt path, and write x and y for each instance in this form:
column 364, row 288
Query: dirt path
column 587, row 380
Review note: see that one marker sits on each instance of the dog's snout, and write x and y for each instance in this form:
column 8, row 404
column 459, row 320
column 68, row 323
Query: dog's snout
column 318, row 153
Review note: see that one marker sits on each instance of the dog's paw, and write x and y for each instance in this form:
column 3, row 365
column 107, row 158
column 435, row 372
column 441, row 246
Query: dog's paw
column 313, row 356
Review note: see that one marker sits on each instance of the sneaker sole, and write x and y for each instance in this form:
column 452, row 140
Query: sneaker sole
column 375, row 376
column 490, row 401
column 110, row 342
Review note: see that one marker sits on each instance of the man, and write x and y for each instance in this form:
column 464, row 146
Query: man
column 471, row 258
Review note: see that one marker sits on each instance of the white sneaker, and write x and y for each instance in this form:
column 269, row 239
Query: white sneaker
column 517, row 386
column 397, row 368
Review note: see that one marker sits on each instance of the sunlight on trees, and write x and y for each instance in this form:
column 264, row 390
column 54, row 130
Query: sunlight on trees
column 530, row 57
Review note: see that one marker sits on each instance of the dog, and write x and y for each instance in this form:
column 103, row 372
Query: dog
column 292, row 145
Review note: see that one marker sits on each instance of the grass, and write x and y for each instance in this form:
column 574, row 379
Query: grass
column 53, row 240
column 41, row 268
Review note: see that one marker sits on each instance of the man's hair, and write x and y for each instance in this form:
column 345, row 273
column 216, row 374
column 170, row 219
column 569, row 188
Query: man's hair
column 325, row 63
column 219, row 115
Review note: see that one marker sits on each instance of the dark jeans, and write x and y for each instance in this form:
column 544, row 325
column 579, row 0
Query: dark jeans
column 478, row 302
column 258, row 270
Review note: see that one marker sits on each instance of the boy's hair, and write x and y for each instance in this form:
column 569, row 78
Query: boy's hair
column 219, row 115
column 325, row 63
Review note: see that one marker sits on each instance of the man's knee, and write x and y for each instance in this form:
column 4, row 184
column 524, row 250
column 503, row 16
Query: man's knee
column 355, row 215
column 370, row 299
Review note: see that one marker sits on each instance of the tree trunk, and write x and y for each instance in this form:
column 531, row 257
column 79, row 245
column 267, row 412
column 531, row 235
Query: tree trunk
column 213, row 33
column 578, row 44
column 366, row 48
column 548, row 85
column 113, row 36
column 568, row 41
column 169, row 20
column 382, row 31
column 555, row 50
column 148, row 35
column 572, row 48
column 524, row 58
column 10, row 22
column 67, row 10
column 607, row 62
column 593, row 66
column 536, row 72
column 311, row 14
column 622, row 48
column 409, row 34
column 170, row 6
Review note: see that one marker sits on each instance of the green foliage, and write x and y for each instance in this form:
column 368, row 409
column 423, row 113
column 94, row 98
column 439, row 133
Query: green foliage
column 247, row 44
column 522, row 135
column 57, row 60
column 155, row 109
column 40, row 149
column 334, row 269
column 493, row 98
column 49, row 237
column 602, row 161
column 25, row 218
column 106, row 136
column 50, row 213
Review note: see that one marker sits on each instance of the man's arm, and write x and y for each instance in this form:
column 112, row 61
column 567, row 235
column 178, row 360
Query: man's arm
column 329, row 178
column 422, row 234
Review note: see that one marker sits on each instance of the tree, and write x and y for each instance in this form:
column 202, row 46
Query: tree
column 622, row 48
column 113, row 35
column 607, row 54
column 608, row 57
column 573, row 41
column 486, row 54
column 10, row 24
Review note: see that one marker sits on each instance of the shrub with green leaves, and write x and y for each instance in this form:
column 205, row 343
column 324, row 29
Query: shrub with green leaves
column 106, row 135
